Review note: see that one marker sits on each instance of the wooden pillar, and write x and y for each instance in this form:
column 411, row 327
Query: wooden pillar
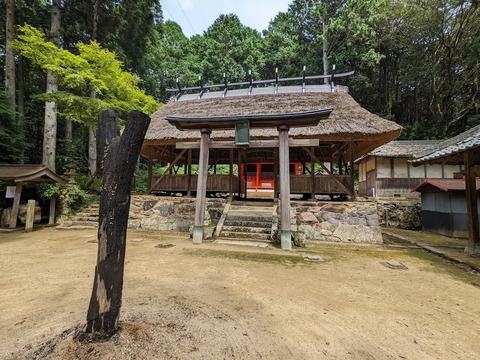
column 352, row 168
column 245, row 173
column 30, row 217
column 16, row 205
column 284, row 162
column 473, row 247
column 150, row 172
column 312, row 175
column 276, row 187
column 239, row 168
column 201, row 187
column 231, row 172
column 189, row 173
column 51, row 217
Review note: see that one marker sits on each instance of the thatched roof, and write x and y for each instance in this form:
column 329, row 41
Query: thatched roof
column 348, row 121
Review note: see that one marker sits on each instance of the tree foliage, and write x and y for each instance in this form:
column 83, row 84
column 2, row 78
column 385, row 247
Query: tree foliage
column 416, row 62
column 93, row 67
column 10, row 136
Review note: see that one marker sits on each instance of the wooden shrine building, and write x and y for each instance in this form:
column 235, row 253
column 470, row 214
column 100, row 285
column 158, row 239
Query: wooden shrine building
column 17, row 174
column 313, row 125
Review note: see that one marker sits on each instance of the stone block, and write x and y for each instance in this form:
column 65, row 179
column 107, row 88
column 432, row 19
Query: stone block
column 147, row 205
column 327, row 226
column 185, row 209
column 22, row 214
column 165, row 209
column 299, row 238
column 306, row 218
column 372, row 220
column 345, row 232
column 369, row 235
column 356, row 221
column 340, row 209
column 134, row 224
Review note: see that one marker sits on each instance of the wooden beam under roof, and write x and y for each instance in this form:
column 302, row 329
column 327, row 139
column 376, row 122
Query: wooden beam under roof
column 253, row 144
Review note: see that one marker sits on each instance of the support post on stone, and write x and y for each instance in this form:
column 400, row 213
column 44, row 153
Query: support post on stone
column 351, row 171
column 312, row 174
column 473, row 247
column 200, row 203
column 239, row 167
column 276, row 187
column 51, row 216
column 189, row 173
column 245, row 172
column 16, row 205
column 284, row 162
column 30, row 217
column 150, row 172
column 230, row 163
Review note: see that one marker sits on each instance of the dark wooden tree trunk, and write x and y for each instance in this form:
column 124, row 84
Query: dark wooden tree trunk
column 119, row 165
column 108, row 129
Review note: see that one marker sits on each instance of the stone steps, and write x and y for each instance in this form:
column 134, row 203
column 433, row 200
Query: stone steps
column 85, row 219
column 247, row 229
column 249, row 221
column 258, row 223
column 239, row 237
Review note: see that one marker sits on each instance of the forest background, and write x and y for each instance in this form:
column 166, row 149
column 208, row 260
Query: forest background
column 416, row 62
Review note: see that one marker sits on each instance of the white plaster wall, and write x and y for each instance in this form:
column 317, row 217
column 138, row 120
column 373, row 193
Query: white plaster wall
column 383, row 168
column 362, row 174
column 417, row 171
column 370, row 164
column 400, row 168
column 448, row 171
column 434, row 171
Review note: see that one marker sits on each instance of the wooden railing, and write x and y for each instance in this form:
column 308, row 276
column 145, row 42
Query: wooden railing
column 215, row 183
column 324, row 184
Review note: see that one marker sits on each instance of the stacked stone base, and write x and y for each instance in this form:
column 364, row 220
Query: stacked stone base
column 346, row 222
column 154, row 213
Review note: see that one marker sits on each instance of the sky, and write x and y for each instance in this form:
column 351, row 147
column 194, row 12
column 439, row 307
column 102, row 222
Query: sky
column 195, row 16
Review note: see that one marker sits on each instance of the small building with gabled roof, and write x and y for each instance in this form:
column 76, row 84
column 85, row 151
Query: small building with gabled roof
column 463, row 149
column 16, row 175
column 444, row 207
column 386, row 171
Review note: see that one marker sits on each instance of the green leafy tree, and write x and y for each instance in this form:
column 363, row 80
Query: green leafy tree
column 92, row 67
column 229, row 47
column 10, row 137
column 428, row 80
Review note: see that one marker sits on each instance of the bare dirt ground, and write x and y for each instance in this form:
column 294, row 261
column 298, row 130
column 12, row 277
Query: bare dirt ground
column 228, row 302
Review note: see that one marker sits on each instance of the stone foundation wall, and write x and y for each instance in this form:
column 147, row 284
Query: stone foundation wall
column 348, row 222
column 401, row 213
column 169, row 213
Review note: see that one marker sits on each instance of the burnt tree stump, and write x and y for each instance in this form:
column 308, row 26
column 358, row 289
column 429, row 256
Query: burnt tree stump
column 118, row 168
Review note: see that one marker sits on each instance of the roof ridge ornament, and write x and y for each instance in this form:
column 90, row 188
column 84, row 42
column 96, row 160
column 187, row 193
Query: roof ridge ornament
column 250, row 83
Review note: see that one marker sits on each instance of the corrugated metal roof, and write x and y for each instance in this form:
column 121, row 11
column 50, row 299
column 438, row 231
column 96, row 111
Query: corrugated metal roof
column 467, row 140
column 405, row 148
column 445, row 184
column 30, row 172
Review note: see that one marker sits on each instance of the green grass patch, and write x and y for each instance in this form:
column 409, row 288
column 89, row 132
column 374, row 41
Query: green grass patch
column 428, row 238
